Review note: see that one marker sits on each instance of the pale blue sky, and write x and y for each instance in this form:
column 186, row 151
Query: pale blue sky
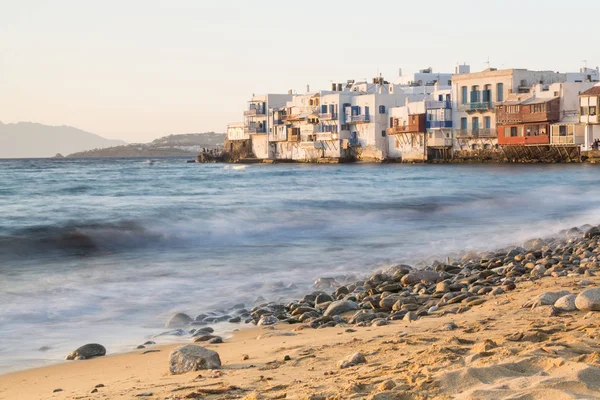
column 140, row 69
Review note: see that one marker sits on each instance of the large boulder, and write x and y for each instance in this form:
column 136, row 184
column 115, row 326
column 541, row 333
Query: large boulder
column 178, row 320
column 193, row 358
column 566, row 303
column 87, row 351
column 588, row 300
column 418, row 276
column 546, row 299
column 340, row 307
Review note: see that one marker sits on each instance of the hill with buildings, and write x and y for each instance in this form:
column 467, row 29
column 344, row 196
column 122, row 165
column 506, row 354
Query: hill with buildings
column 31, row 140
column 182, row 145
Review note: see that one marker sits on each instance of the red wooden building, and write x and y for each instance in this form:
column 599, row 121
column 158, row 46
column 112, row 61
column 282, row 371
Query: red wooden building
column 526, row 122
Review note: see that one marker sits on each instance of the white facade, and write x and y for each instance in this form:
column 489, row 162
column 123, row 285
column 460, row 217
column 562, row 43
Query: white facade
column 236, row 131
column 406, row 146
column 256, row 116
column 589, row 115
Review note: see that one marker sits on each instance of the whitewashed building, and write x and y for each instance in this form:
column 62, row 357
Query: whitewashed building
column 589, row 115
column 475, row 96
column 419, row 126
column 257, row 122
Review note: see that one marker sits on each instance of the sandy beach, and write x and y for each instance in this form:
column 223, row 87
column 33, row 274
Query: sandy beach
column 495, row 350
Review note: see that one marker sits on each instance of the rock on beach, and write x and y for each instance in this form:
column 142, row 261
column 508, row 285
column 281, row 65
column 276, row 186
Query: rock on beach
column 340, row 307
column 178, row 320
column 588, row 300
column 193, row 358
column 87, row 351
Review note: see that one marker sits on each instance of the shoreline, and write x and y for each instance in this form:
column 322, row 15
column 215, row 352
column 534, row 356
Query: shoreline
column 455, row 311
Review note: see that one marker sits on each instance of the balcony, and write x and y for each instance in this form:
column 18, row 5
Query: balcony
column 357, row 119
column 255, row 130
column 293, row 137
column 254, row 112
column 438, row 124
column 327, row 116
column 278, row 122
column 436, row 105
column 475, row 133
column 439, row 142
column 478, row 106
column 563, row 139
column 327, row 136
column 395, row 130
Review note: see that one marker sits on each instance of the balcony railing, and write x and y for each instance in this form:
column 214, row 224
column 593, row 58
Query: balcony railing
column 478, row 106
column 278, row 122
column 557, row 139
column 327, row 116
column 253, row 130
column 293, row 137
column 403, row 129
column 475, row 133
column 439, row 142
column 357, row 119
column 327, row 136
column 434, row 105
column 253, row 112
column 438, row 124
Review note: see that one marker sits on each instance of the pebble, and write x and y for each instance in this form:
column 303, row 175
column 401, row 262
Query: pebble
column 353, row 360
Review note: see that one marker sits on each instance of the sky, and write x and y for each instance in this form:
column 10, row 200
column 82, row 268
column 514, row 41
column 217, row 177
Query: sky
column 140, row 69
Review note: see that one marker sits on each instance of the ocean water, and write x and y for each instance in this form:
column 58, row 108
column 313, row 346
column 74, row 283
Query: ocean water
column 107, row 250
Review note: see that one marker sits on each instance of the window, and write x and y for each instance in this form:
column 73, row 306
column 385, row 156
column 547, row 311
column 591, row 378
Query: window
column 592, row 110
column 475, row 94
column 346, row 127
column 488, row 122
column 538, row 108
column 475, row 123
column 381, row 109
column 487, row 94
column 562, row 130
column 513, row 131
column 382, row 133
column 500, row 92
column 463, row 123
column 463, row 98
column 584, row 111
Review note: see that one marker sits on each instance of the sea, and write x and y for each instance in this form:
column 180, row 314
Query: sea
column 107, row 250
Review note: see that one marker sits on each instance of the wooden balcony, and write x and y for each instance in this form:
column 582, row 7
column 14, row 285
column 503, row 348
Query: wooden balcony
column 542, row 110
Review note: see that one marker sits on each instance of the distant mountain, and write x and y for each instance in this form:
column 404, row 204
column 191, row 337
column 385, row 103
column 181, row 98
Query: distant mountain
column 31, row 140
column 183, row 145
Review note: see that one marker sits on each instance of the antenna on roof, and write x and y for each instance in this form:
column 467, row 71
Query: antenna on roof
column 487, row 62
column 584, row 63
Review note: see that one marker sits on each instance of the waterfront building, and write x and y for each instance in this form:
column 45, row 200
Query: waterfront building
column 257, row 124
column 475, row 96
column 237, row 139
column 589, row 102
column 420, row 130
